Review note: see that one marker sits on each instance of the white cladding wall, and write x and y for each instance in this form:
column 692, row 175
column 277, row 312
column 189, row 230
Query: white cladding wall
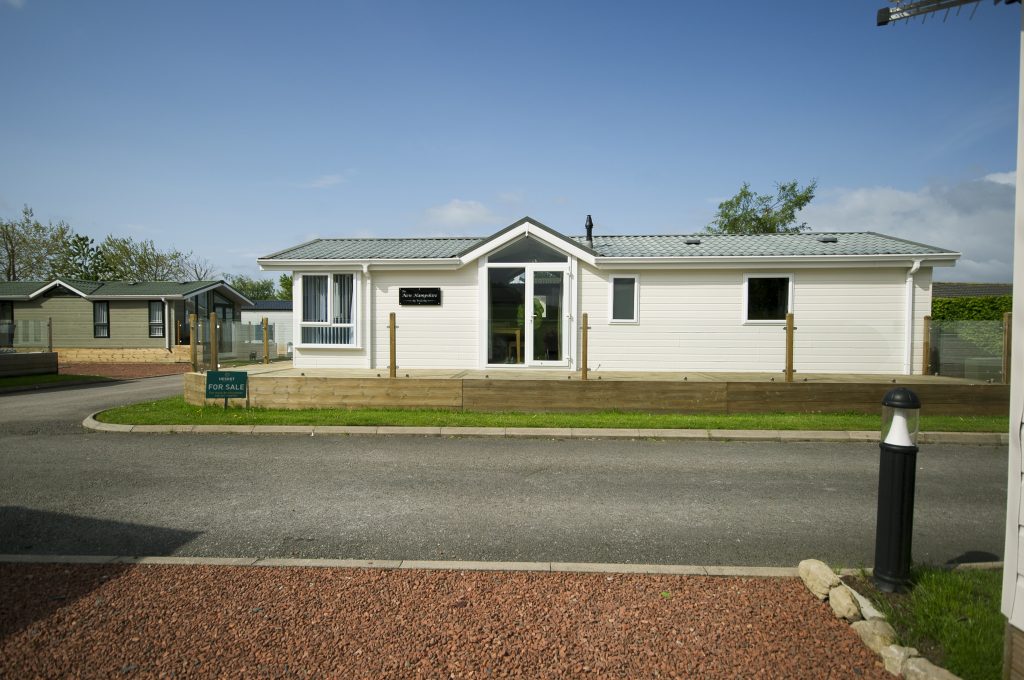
column 282, row 322
column 444, row 336
column 428, row 337
column 848, row 320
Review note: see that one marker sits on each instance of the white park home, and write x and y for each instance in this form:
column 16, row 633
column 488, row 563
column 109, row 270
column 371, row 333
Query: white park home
column 654, row 302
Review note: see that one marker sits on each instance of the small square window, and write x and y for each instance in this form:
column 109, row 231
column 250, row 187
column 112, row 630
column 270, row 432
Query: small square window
column 624, row 294
column 767, row 298
column 101, row 319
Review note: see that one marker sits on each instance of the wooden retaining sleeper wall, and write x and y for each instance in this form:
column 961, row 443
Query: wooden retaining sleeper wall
column 659, row 396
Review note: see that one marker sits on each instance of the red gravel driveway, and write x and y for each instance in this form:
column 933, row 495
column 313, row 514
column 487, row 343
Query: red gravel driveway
column 123, row 371
column 203, row 621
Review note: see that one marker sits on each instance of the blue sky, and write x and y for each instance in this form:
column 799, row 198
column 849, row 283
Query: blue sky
column 239, row 128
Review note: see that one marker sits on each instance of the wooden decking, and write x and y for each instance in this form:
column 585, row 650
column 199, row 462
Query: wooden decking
column 282, row 386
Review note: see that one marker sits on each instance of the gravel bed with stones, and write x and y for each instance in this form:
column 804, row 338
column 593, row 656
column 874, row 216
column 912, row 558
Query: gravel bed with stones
column 123, row 371
column 203, row 621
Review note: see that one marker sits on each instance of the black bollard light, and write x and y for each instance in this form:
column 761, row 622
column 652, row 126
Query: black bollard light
column 896, row 472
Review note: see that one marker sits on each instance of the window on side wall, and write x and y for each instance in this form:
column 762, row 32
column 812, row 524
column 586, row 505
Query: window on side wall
column 156, row 319
column 767, row 298
column 625, row 299
column 329, row 309
column 101, row 319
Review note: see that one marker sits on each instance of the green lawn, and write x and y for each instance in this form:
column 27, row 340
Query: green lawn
column 951, row 617
column 48, row 379
column 175, row 411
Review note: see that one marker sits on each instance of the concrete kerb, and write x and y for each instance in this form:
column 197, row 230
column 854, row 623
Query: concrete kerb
column 435, row 565
column 969, row 438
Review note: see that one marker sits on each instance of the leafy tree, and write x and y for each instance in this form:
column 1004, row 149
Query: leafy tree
column 28, row 247
column 285, row 284
column 125, row 259
column 76, row 258
column 752, row 213
column 254, row 289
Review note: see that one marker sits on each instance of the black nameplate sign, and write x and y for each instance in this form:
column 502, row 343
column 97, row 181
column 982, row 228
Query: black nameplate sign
column 419, row 296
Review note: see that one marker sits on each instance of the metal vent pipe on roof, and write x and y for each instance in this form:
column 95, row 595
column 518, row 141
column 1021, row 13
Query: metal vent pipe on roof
column 590, row 231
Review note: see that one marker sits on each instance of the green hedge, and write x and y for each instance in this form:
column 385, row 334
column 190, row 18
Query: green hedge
column 990, row 308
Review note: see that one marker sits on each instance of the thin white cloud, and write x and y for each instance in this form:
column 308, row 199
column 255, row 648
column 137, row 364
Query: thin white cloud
column 974, row 218
column 16, row 4
column 457, row 214
column 1002, row 178
column 514, row 198
column 325, row 181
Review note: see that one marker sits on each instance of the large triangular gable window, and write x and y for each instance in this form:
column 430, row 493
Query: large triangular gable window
column 527, row 249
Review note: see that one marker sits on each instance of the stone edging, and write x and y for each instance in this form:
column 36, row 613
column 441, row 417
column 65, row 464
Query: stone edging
column 551, row 432
column 869, row 623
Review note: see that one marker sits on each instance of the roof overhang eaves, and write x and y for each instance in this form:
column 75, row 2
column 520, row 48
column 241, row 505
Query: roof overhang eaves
column 153, row 296
column 889, row 260
column 360, row 265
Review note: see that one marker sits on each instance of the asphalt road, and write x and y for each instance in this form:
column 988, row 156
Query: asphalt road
column 65, row 490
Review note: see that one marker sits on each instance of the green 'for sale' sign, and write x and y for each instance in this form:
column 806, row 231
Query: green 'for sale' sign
column 226, row 384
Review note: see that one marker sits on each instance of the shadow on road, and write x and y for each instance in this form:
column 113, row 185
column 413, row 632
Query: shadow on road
column 29, row 592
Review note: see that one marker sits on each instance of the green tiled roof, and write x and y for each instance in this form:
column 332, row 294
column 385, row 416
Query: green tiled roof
column 110, row 289
column 19, row 288
column 653, row 245
column 377, row 248
column 761, row 245
column 151, row 288
column 955, row 289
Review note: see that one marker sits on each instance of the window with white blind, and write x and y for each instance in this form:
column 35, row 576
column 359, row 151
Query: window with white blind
column 101, row 319
column 329, row 309
column 156, row 319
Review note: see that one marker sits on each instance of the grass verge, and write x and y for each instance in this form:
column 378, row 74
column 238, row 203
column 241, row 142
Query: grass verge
column 951, row 617
column 48, row 379
column 174, row 411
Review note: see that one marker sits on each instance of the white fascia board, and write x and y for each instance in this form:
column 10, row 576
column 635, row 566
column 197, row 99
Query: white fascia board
column 56, row 282
column 524, row 229
column 358, row 265
column 730, row 262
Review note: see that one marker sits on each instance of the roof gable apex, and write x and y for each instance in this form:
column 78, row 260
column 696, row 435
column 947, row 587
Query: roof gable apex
column 527, row 226
column 55, row 283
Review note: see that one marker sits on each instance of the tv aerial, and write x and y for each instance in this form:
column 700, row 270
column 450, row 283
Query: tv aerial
column 904, row 10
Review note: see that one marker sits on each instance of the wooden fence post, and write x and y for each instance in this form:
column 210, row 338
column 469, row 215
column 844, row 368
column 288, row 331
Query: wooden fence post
column 1007, row 345
column 392, row 354
column 266, row 341
column 49, row 334
column 789, row 347
column 193, row 331
column 926, row 360
column 583, row 347
column 213, row 341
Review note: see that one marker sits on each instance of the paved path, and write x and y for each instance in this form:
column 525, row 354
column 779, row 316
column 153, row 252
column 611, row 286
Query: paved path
column 53, row 410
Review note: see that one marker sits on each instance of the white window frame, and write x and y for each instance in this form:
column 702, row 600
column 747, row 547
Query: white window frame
column 356, row 310
column 746, row 297
column 636, row 299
